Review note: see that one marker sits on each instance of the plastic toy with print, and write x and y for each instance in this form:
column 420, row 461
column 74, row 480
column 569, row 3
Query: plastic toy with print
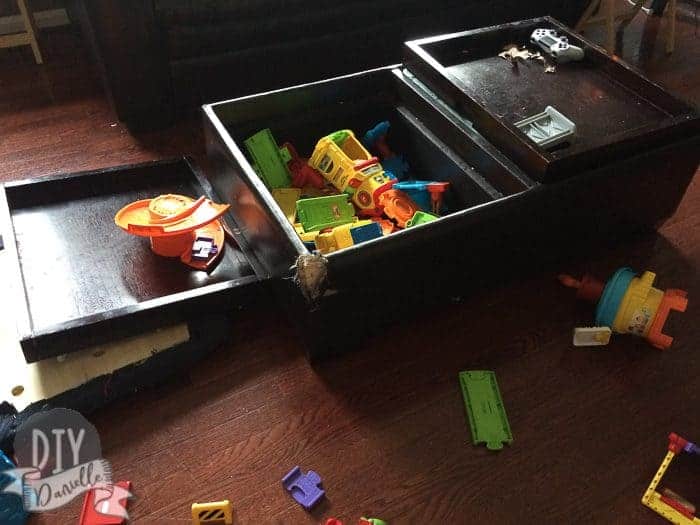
column 347, row 235
column 629, row 304
column 348, row 166
column 667, row 503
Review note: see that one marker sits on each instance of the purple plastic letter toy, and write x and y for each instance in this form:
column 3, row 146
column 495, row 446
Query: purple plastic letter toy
column 203, row 248
column 304, row 488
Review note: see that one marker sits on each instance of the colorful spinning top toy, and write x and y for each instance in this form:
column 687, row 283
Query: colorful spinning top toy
column 178, row 226
column 629, row 304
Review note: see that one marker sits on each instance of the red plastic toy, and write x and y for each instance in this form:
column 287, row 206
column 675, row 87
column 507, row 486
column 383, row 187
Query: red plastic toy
column 302, row 173
column 119, row 499
column 437, row 190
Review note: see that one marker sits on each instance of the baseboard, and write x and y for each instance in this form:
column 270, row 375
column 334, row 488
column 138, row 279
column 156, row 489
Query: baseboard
column 43, row 19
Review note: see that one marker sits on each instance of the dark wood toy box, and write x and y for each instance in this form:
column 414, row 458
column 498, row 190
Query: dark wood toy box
column 452, row 107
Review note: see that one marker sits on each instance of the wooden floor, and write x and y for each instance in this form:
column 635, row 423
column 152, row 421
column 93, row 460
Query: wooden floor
column 385, row 426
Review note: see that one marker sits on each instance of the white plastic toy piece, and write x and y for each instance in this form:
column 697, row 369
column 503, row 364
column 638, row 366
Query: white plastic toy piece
column 556, row 46
column 547, row 128
column 592, row 336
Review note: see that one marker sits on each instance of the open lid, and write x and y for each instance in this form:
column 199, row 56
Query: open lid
column 76, row 280
column 616, row 111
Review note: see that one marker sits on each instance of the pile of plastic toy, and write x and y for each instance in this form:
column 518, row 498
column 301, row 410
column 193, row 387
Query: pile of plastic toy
column 343, row 195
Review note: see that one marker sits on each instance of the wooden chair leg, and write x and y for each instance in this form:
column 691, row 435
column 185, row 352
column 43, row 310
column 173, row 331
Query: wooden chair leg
column 610, row 13
column 30, row 27
column 671, row 32
column 587, row 15
column 637, row 6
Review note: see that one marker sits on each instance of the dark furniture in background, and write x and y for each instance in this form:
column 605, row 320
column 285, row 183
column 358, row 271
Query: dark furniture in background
column 158, row 57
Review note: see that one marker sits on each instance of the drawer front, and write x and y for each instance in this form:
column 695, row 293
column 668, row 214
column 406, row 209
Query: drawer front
column 80, row 281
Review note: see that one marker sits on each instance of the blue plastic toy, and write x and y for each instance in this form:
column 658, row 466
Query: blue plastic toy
column 304, row 488
column 11, row 507
column 375, row 134
column 418, row 191
column 365, row 233
column 425, row 193
column 375, row 139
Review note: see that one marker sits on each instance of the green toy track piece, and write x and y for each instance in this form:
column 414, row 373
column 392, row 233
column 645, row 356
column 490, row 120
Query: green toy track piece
column 487, row 416
column 421, row 217
column 318, row 213
column 270, row 162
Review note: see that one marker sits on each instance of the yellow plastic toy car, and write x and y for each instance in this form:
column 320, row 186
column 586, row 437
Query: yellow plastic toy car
column 345, row 163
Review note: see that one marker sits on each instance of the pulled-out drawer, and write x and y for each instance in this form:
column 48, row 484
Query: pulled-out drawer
column 78, row 280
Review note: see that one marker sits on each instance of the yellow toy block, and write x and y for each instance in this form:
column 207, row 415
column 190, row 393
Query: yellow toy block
column 338, row 238
column 305, row 236
column 287, row 199
column 215, row 513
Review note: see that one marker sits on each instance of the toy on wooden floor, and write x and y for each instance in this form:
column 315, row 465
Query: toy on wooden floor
column 11, row 506
column 302, row 173
column 347, row 235
column 350, row 168
column 392, row 163
column 214, row 513
column 668, row 504
column 487, row 416
column 269, row 160
column 363, row 521
column 629, row 304
column 174, row 223
column 287, row 199
column 324, row 212
column 304, row 488
column 98, row 512
column 592, row 336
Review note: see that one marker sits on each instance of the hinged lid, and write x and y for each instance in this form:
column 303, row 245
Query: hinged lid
column 616, row 110
column 78, row 280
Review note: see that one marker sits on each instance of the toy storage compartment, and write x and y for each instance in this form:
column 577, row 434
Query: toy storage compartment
column 616, row 110
column 516, row 223
column 84, row 281
column 304, row 114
